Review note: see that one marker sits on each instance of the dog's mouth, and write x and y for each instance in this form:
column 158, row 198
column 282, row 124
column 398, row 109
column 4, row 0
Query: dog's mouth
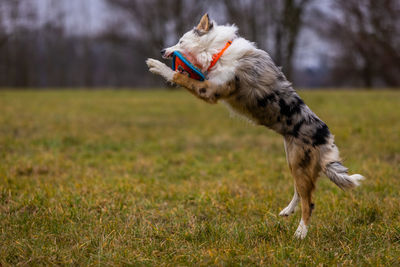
column 167, row 55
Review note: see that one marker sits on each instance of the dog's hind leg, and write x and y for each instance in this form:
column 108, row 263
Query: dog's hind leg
column 295, row 200
column 303, row 163
column 305, row 186
column 292, row 205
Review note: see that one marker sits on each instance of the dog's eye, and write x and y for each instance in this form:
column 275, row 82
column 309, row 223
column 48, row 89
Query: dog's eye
column 180, row 42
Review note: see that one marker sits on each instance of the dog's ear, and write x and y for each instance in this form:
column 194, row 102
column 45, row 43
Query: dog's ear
column 205, row 24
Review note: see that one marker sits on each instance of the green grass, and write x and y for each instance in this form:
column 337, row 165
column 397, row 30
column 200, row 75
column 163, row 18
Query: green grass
column 161, row 178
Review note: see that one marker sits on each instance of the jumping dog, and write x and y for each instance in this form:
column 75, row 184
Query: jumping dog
column 249, row 82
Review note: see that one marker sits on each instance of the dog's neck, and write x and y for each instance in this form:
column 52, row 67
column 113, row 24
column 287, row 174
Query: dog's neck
column 217, row 56
column 214, row 58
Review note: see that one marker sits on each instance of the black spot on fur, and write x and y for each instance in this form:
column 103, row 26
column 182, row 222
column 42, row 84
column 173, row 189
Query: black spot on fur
column 305, row 141
column 261, row 102
column 288, row 122
column 312, row 206
column 237, row 85
column 299, row 100
column 305, row 161
column 285, row 109
column 217, row 95
column 321, row 135
column 203, row 90
column 265, row 100
column 279, row 119
column 296, row 128
column 289, row 110
column 198, row 32
column 271, row 97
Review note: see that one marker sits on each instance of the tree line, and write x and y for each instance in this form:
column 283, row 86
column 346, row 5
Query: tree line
column 361, row 37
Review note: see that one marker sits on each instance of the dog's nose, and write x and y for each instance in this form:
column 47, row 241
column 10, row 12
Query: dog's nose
column 163, row 52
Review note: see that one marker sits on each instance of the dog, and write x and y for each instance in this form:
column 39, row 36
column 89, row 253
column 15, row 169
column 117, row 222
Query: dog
column 248, row 81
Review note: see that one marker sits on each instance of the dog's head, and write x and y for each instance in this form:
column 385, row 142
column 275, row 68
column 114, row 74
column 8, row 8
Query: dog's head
column 200, row 43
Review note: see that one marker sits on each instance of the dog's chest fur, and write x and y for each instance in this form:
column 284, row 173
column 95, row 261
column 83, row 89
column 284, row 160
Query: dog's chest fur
column 265, row 96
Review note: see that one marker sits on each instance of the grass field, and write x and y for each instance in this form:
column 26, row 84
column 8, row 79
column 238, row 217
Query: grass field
column 161, row 178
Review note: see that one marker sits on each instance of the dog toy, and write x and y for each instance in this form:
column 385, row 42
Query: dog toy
column 183, row 65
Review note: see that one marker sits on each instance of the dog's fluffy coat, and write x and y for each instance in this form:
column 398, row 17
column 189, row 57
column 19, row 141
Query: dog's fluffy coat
column 248, row 81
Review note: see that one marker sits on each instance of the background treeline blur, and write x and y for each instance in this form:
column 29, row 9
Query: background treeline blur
column 104, row 43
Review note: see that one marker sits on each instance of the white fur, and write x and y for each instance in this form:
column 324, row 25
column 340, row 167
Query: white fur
column 292, row 205
column 302, row 230
column 356, row 178
column 225, row 68
column 160, row 68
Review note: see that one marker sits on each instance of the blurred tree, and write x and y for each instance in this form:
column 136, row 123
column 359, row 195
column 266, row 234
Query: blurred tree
column 253, row 18
column 154, row 24
column 274, row 25
column 158, row 22
column 288, row 24
column 16, row 54
column 3, row 32
column 366, row 35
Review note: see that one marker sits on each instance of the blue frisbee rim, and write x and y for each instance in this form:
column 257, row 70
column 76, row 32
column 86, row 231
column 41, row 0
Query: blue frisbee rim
column 187, row 62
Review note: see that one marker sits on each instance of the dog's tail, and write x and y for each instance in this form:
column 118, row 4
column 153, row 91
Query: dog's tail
column 338, row 174
column 333, row 168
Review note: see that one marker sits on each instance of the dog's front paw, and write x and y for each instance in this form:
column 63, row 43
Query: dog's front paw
column 160, row 68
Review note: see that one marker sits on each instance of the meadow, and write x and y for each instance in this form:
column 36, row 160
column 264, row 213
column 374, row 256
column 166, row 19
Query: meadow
column 159, row 178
